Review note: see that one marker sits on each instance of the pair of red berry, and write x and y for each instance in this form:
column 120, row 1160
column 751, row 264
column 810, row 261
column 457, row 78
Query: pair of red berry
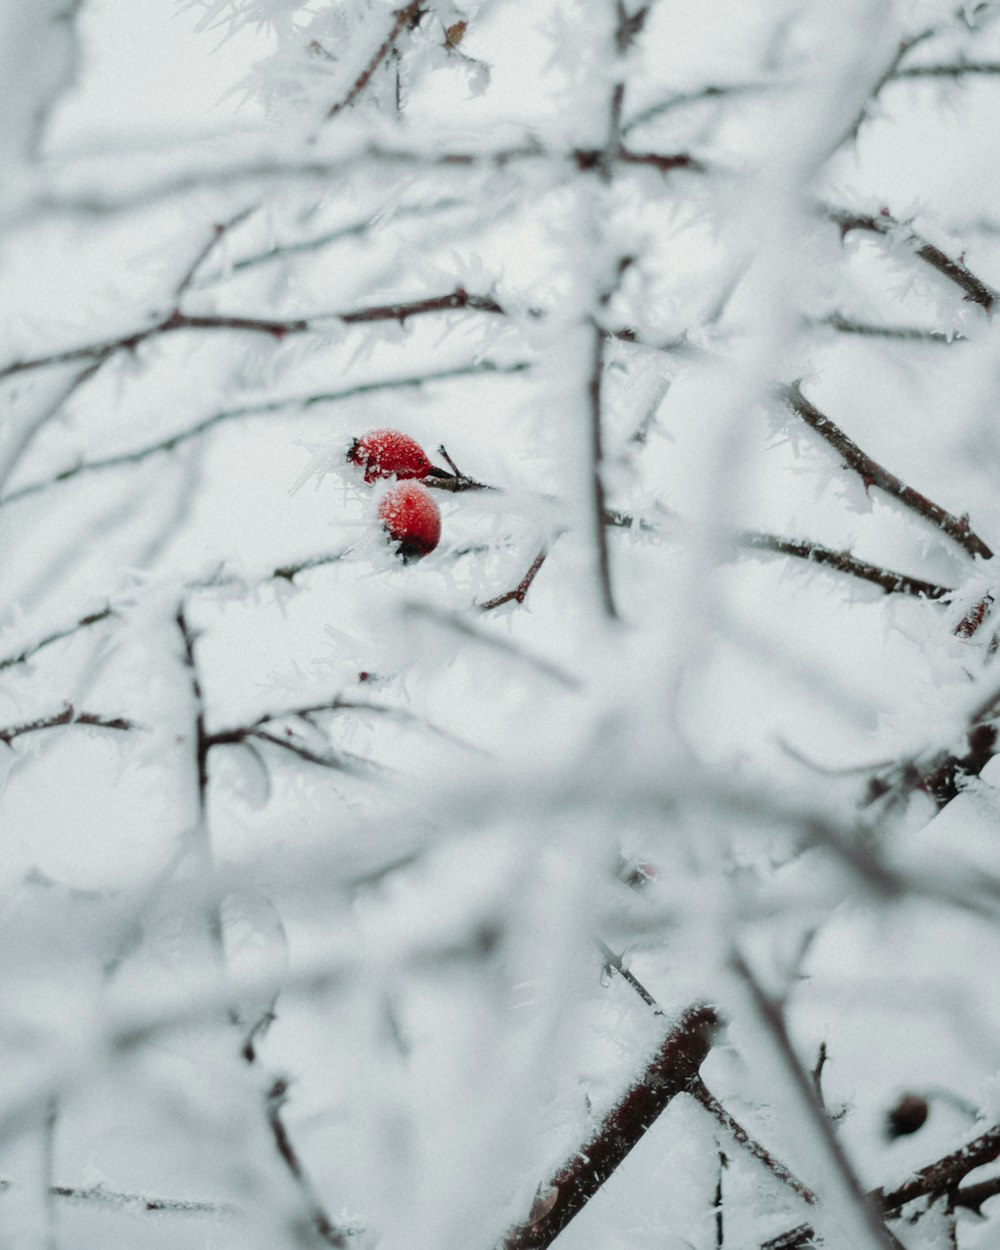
column 408, row 512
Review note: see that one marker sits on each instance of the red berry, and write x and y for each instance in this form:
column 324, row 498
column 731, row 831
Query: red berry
column 410, row 517
column 387, row 453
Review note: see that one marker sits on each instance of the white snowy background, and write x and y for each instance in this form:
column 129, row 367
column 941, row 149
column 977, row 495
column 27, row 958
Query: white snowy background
column 354, row 984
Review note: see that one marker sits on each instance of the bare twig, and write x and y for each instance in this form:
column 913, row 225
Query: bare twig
column 937, row 1180
column 873, row 474
column 520, row 591
column 219, row 232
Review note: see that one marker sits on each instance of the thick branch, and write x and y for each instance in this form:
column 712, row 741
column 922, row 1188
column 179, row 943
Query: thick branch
column 672, row 1071
column 873, row 474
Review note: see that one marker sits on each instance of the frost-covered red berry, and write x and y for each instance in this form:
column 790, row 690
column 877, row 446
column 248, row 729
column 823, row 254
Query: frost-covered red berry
column 388, row 453
column 411, row 518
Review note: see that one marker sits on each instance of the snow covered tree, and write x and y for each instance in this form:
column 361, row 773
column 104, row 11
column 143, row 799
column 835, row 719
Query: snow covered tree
column 624, row 869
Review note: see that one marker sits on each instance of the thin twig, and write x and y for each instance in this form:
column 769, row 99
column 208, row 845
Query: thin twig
column 520, row 591
column 265, row 408
column 873, row 474
column 277, row 328
column 68, row 716
column 903, row 334
column 817, row 1074
column 956, row 70
column 613, row 961
column 23, row 656
column 404, row 19
column 702, row 1094
column 330, row 1233
column 976, row 290
column 888, row 580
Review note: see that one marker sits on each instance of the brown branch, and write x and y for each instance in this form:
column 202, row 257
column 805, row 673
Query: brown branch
column 976, row 290
column 671, row 1072
column 613, row 961
column 338, row 761
column 520, row 591
column 68, row 716
column 276, row 328
column 873, row 474
column 267, row 408
column 702, row 1094
column 404, row 19
column 945, row 1174
column 817, row 1073
column 935, row 1181
column 95, row 200
column 888, row 580
column 282, row 250
column 972, row 1197
column 904, row 46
